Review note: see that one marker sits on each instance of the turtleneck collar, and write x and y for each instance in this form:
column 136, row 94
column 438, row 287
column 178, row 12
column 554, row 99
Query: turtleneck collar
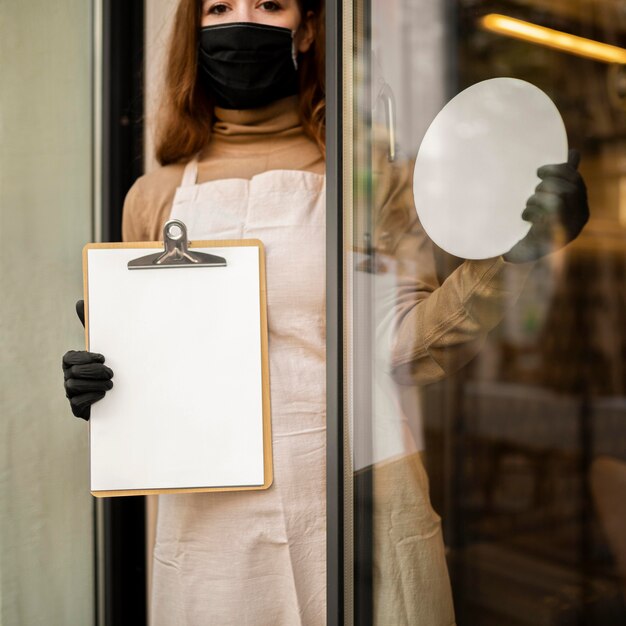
column 249, row 142
column 276, row 118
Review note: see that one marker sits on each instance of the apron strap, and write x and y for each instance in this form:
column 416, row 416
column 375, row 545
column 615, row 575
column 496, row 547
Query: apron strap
column 190, row 175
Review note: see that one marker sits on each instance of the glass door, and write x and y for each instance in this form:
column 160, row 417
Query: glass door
column 485, row 400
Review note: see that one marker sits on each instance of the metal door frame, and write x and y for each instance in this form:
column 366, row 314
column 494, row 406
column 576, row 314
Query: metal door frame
column 118, row 50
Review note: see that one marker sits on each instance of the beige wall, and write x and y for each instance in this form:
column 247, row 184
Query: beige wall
column 46, row 560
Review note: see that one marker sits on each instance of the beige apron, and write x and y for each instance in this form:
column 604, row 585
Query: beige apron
column 259, row 557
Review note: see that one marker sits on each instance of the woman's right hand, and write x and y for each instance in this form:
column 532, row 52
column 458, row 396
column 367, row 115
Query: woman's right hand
column 87, row 379
column 557, row 211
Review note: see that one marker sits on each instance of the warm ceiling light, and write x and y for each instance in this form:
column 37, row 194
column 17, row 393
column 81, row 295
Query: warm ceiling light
column 551, row 38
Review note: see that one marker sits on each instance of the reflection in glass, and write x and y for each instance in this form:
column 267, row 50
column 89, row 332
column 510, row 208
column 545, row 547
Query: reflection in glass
column 489, row 399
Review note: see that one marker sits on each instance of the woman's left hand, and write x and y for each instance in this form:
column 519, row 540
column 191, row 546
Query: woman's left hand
column 558, row 211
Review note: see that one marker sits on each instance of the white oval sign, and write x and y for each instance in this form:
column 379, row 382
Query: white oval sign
column 477, row 166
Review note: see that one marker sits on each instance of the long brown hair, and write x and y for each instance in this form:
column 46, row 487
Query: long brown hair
column 186, row 112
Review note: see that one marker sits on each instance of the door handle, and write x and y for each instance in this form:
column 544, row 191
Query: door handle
column 389, row 101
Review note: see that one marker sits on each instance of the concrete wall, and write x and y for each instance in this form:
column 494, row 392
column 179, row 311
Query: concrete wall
column 46, row 558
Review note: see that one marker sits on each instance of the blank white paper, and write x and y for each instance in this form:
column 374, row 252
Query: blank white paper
column 186, row 408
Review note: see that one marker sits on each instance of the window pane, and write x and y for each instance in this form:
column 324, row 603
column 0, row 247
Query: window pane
column 488, row 398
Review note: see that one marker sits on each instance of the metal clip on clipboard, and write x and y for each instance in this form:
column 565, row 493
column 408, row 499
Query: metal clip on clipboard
column 176, row 253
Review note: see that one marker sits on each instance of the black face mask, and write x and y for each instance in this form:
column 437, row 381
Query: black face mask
column 247, row 65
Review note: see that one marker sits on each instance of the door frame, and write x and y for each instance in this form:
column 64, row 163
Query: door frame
column 339, row 506
column 118, row 129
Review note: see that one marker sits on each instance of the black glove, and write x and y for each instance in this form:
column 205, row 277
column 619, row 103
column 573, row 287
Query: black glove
column 557, row 210
column 87, row 379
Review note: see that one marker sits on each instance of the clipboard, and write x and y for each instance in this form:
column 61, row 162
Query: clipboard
column 189, row 410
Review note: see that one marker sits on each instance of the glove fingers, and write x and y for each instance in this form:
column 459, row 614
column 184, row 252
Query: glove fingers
column 563, row 171
column 81, row 357
column 81, row 405
column 543, row 206
column 77, row 386
column 557, row 185
column 90, row 371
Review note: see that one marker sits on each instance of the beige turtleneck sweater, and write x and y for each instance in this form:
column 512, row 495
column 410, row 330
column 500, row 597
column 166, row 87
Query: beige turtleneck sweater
column 242, row 144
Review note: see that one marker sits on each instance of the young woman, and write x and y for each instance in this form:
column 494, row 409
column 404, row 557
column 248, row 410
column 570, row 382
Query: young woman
column 241, row 144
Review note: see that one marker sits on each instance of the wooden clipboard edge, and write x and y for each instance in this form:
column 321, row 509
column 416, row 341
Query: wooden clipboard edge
column 152, row 492
column 268, row 464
